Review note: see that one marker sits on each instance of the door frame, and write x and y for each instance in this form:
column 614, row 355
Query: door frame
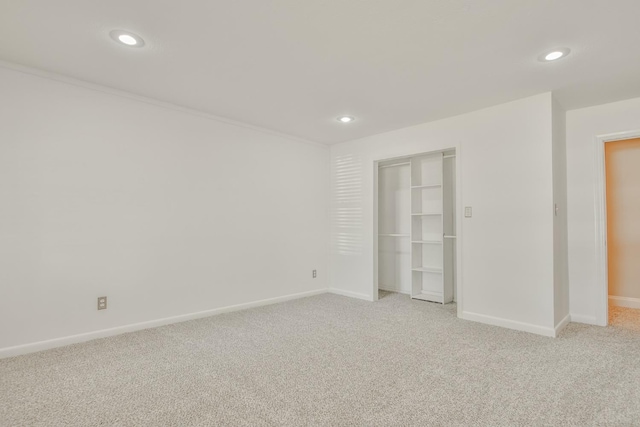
column 602, row 258
column 458, row 215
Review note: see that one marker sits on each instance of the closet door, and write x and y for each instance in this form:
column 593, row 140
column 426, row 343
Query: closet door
column 427, row 229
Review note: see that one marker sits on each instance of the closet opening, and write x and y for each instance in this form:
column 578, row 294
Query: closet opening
column 416, row 227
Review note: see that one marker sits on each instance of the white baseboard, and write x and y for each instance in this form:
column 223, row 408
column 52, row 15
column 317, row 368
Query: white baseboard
column 350, row 294
column 88, row 336
column 510, row 324
column 624, row 302
column 563, row 323
column 581, row 318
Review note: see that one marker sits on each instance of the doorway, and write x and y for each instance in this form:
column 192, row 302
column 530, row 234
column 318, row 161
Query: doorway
column 416, row 244
column 622, row 187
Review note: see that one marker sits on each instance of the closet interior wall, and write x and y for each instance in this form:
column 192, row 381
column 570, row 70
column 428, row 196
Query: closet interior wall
column 394, row 248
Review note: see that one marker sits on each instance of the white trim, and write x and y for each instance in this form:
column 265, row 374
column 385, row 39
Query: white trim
column 581, row 318
column 376, row 260
column 394, row 165
column 510, row 324
column 459, row 242
column 350, row 294
column 151, row 101
column 600, row 210
column 88, row 336
column 602, row 310
column 624, row 301
column 563, row 324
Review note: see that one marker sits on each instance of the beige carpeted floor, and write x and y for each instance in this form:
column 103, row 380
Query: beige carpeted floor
column 332, row 361
column 627, row 318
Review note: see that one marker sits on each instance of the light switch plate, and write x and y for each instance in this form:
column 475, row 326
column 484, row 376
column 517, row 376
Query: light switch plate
column 467, row 212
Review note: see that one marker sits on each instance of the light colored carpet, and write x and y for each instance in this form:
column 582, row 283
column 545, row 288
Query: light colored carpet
column 623, row 317
column 332, row 361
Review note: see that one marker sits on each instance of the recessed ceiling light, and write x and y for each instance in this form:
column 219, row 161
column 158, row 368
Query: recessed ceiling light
column 345, row 119
column 550, row 56
column 127, row 38
column 554, row 55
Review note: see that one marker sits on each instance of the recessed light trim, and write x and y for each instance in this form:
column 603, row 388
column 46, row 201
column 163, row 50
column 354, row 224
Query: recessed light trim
column 345, row 119
column 554, row 54
column 127, row 38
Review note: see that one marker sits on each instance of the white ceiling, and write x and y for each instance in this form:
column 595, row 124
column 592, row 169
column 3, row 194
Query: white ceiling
column 294, row 65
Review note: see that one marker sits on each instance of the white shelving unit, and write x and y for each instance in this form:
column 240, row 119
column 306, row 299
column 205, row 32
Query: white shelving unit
column 426, row 225
column 416, row 226
column 431, row 214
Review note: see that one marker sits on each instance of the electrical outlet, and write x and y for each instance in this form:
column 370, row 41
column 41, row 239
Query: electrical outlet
column 102, row 303
column 467, row 212
column 315, row 273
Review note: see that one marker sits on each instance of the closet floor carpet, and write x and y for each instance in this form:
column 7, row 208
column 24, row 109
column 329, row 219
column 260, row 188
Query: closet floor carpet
column 332, row 361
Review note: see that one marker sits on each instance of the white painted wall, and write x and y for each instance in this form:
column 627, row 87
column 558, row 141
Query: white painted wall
column 165, row 212
column 583, row 126
column 623, row 211
column 505, row 160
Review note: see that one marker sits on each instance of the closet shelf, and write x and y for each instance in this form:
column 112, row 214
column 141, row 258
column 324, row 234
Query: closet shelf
column 426, row 186
column 428, row 242
column 426, row 213
column 427, row 269
column 393, row 235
